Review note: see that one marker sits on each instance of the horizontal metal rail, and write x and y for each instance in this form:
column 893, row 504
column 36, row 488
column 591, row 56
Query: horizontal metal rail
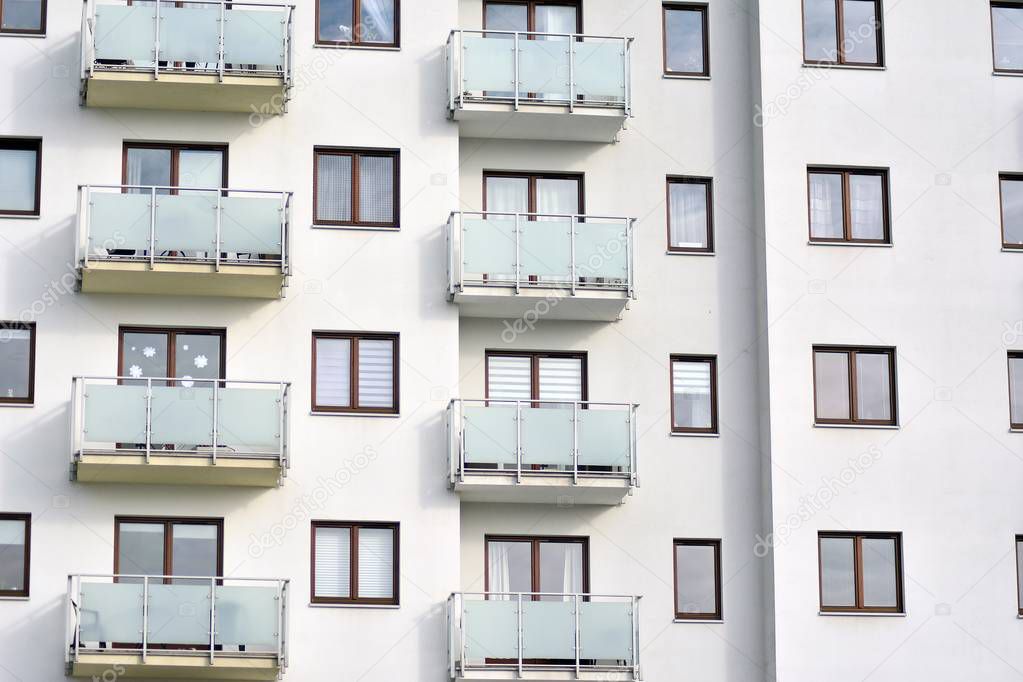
column 480, row 31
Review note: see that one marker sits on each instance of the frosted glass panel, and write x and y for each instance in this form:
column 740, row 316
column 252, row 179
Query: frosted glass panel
column 491, row 628
column 182, row 415
column 186, row 222
column 125, row 33
column 546, row 248
column 601, row 250
column 488, row 63
column 111, row 612
column 880, row 576
column 488, row 246
column 247, row 615
column 254, row 37
column 490, row 435
column 606, row 631
column 249, row 416
column 118, row 221
column 604, row 438
column 838, row 575
column 543, row 68
column 251, row 225
column 190, row 34
column 179, row 614
column 600, row 69
column 548, row 629
column 547, row 436
column 115, row 414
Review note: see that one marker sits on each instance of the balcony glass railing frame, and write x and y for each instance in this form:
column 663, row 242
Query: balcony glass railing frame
column 458, row 643
column 458, row 467
column 216, row 256
column 73, row 646
column 581, row 273
column 458, row 96
column 79, row 388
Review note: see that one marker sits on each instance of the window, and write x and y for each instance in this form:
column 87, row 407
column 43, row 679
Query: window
column 1016, row 389
column 355, row 372
column 698, row 579
column 17, row 363
column 544, row 193
column 356, row 187
column 15, row 532
column 20, row 176
column 1019, row 574
column 847, row 32
column 690, row 221
column 168, row 546
column 1007, row 36
column 358, row 22
column 854, row 385
column 539, row 378
column 849, row 205
column 354, row 563
column 555, row 565
column 861, row 572
column 185, row 354
column 174, row 165
column 686, row 50
column 1011, row 193
column 694, row 394
column 23, row 16
column 542, row 16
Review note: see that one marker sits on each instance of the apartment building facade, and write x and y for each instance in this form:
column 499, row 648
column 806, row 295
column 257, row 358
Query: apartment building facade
column 507, row 339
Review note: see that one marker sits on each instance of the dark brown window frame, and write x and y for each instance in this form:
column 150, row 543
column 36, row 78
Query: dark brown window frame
column 1008, row 4
column 704, row 10
column 845, row 172
column 175, row 148
column 27, row 568
column 857, row 537
column 531, row 177
column 31, row 328
column 171, row 333
column 1013, row 354
column 356, row 40
column 890, row 351
column 534, row 368
column 691, row 180
column 31, row 144
column 698, row 542
column 356, row 153
column 353, row 372
column 354, row 527
column 535, row 542
column 1007, row 177
column 531, row 6
column 1019, row 570
column 840, row 37
column 41, row 31
column 168, row 538
column 712, row 360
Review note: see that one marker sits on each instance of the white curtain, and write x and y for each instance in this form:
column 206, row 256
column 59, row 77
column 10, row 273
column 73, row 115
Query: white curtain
column 691, row 386
column 866, row 201
column 333, row 372
column 561, row 568
column 826, row 206
column 555, row 19
column 333, row 562
column 333, row 187
column 17, row 179
column 376, row 189
column 688, row 212
column 378, row 21
column 556, row 196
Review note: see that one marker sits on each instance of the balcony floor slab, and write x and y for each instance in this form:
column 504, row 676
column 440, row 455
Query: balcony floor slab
column 177, row 470
column 547, row 489
column 182, row 279
column 263, row 95
column 539, row 122
column 187, row 667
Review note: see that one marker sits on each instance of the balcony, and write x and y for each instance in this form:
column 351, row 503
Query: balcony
column 205, row 55
column 179, row 431
column 192, row 628
column 531, row 265
column 532, row 636
column 538, row 86
column 134, row 239
column 550, row 453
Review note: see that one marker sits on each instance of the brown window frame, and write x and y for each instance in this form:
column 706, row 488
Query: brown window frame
column 534, row 369
column 1019, row 571
column 356, row 153
column 534, row 555
column 31, row 328
column 704, row 10
column 1007, row 177
column 168, row 538
column 353, row 372
column 175, row 148
column 31, row 144
column 41, row 31
column 356, row 40
column 531, row 177
column 857, row 537
column 354, row 527
column 698, row 542
column 531, row 6
column 845, row 172
column 171, row 333
column 691, row 180
column 27, row 568
column 890, row 351
column 1008, row 4
column 712, row 360
column 840, row 59
column 1011, row 355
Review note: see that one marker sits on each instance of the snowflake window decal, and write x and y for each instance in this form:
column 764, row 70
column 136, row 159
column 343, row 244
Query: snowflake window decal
column 135, row 371
column 149, row 351
column 201, row 361
column 187, row 382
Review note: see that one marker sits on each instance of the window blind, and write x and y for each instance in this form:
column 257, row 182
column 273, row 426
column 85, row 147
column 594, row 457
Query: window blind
column 334, row 187
column 376, row 563
column 376, row 189
column 376, row 373
column 509, row 378
column 333, row 372
column 561, row 379
column 333, row 562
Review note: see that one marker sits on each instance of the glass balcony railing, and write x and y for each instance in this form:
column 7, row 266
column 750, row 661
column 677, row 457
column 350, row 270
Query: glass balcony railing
column 584, row 633
column 539, row 250
column 214, row 37
column 183, row 225
column 548, row 438
column 208, row 617
column 181, row 417
column 520, row 67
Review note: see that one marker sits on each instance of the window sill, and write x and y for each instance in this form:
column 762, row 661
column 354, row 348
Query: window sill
column 689, row 253
column 845, row 67
column 368, row 48
column 812, row 242
column 862, row 614
column 356, row 228
column 881, row 427
column 385, row 607
column 26, row 599
column 685, row 77
column 7, row 34
column 1012, row 430
column 676, row 434
column 701, row 620
column 1007, row 249
column 3, row 404
column 1009, row 74
column 16, row 216
column 374, row 415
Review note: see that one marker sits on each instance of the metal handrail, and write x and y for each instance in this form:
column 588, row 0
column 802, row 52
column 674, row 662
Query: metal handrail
column 488, row 31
